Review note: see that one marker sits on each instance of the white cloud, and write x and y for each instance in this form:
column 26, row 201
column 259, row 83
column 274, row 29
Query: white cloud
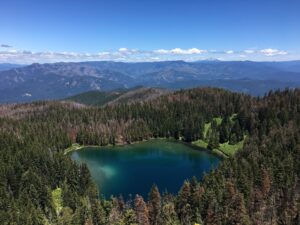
column 272, row 52
column 179, row 51
column 103, row 53
column 162, row 51
column 249, row 51
column 190, row 51
column 12, row 51
column 155, row 58
column 128, row 51
column 136, row 55
column 20, row 56
column 196, row 51
column 123, row 49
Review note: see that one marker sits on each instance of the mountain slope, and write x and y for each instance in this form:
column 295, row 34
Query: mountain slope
column 52, row 81
column 139, row 95
column 118, row 96
column 97, row 98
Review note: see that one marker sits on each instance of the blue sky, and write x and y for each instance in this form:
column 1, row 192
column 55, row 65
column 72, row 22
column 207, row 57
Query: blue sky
column 140, row 30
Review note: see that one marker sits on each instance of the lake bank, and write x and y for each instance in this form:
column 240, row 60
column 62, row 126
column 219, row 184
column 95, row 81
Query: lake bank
column 76, row 146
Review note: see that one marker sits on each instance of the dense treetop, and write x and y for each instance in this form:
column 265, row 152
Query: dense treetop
column 259, row 185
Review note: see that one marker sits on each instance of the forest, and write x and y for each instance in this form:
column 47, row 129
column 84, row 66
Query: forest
column 259, row 184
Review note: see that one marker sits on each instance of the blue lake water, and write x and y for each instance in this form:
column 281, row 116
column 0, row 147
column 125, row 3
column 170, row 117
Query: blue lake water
column 132, row 169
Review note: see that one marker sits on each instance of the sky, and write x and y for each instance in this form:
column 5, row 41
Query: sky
column 148, row 30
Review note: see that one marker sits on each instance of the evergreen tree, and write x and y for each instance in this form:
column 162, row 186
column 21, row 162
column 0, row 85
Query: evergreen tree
column 225, row 129
column 154, row 206
column 184, row 209
column 141, row 211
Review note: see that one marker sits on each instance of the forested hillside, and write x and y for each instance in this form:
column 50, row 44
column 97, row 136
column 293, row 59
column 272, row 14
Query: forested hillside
column 132, row 95
column 257, row 185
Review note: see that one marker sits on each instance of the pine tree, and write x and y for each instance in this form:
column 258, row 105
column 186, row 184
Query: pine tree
column 115, row 215
column 213, row 141
column 168, row 210
column 154, row 206
column 168, row 214
column 98, row 213
column 141, row 211
column 236, row 134
column 184, row 209
column 225, row 129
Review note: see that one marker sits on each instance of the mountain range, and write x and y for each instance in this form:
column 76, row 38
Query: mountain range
column 61, row 80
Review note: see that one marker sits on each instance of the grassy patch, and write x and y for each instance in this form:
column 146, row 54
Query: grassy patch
column 203, row 144
column 218, row 120
column 233, row 116
column 224, row 149
column 206, row 128
column 207, row 125
column 57, row 199
column 200, row 143
column 220, row 153
column 231, row 149
column 73, row 147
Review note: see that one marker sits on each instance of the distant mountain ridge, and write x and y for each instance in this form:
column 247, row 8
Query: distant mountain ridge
column 61, row 80
column 8, row 66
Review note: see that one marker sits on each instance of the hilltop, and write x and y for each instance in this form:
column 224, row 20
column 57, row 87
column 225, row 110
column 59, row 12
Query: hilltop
column 99, row 98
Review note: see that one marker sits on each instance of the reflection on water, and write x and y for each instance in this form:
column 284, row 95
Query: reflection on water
column 134, row 168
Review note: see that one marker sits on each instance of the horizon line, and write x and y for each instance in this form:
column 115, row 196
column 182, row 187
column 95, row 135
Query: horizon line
column 158, row 61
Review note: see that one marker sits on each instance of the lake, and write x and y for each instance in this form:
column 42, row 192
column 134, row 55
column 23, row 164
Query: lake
column 132, row 169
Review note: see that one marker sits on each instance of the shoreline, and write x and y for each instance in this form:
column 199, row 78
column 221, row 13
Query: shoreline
column 75, row 146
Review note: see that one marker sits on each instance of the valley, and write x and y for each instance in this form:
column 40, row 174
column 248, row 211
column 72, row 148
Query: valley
column 153, row 112
column 258, row 135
